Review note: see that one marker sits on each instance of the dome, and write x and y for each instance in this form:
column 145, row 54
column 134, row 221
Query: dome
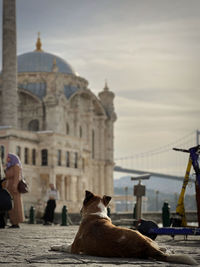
column 39, row 61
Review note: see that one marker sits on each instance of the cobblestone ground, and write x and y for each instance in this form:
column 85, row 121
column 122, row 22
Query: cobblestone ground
column 30, row 246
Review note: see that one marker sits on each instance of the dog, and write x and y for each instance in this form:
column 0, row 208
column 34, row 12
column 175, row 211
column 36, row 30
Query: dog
column 97, row 236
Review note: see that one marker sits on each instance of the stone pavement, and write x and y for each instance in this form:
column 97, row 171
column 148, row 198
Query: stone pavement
column 30, row 246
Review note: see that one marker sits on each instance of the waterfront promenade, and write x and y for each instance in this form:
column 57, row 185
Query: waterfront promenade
column 30, row 246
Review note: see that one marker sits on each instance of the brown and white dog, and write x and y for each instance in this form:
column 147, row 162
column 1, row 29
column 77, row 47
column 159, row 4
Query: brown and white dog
column 97, row 236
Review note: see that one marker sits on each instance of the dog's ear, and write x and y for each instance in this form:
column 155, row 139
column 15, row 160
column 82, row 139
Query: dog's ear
column 88, row 196
column 106, row 200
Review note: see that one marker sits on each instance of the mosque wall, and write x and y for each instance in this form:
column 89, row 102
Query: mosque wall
column 64, row 134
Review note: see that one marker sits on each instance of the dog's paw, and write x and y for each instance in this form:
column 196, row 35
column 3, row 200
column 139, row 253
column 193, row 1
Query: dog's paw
column 56, row 248
column 63, row 248
column 163, row 249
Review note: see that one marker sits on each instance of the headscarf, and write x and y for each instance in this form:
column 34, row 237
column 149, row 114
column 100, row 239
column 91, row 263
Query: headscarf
column 14, row 160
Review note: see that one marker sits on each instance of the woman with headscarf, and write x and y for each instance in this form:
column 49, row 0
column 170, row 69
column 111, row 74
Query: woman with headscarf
column 13, row 176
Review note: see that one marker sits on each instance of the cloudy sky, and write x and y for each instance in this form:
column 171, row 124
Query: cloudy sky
column 147, row 50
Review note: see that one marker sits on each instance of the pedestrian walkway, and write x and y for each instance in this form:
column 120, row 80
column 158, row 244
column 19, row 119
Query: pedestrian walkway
column 30, row 246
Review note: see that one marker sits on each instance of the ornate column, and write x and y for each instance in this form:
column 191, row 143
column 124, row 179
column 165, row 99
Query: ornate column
column 9, row 70
column 52, row 177
column 62, row 193
column 73, row 188
column 67, row 188
column 80, row 189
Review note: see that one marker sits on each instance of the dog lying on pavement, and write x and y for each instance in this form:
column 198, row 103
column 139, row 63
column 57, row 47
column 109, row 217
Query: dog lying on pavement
column 97, row 236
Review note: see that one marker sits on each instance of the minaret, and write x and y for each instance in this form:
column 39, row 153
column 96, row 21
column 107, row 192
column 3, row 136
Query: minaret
column 107, row 97
column 9, row 66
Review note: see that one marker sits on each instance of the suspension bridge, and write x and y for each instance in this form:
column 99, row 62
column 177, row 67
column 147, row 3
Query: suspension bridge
column 162, row 162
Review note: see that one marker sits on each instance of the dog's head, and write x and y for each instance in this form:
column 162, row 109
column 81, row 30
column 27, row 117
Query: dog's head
column 95, row 205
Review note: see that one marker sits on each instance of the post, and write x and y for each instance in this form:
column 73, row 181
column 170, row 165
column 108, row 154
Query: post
column 166, row 214
column 197, row 137
column 138, row 207
column 157, row 193
column 64, row 216
column 32, row 215
column 126, row 197
column 139, row 191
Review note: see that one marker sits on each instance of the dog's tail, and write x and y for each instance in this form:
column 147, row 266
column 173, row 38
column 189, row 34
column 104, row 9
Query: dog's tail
column 63, row 248
column 179, row 258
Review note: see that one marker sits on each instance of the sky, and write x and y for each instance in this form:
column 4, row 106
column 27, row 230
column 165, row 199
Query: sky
column 146, row 50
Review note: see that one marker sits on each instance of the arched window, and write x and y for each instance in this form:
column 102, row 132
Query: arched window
column 59, row 159
column 26, row 152
column 44, row 157
column 33, row 125
column 93, row 144
column 33, row 156
column 76, row 160
column 67, row 129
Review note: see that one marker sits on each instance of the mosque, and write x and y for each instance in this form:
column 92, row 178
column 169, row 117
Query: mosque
column 63, row 132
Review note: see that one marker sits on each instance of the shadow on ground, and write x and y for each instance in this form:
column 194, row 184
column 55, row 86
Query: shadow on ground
column 67, row 258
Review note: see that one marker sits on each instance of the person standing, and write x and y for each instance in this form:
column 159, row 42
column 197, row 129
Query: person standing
column 13, row 174
column 52, row 196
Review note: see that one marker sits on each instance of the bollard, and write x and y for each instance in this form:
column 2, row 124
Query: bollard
column 108, row 211
column 134, row 211
column 166, row 214
column 32, row 215
column 64, row 216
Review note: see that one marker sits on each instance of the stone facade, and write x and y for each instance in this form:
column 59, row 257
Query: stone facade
column 64, row 133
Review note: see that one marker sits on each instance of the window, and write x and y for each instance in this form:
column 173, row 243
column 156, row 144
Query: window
column 33, row 125
column 44, row 157
column 80, row 132
column 26, row 155
column 2, row 153
column 18, row 151
column 93, row 140
column 59, row 158
column 67, row 129
column 33, row 156
column 67, row 159
column 76, row 160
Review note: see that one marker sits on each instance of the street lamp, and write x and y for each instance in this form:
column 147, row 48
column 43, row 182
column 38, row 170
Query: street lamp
column 139, row 192
column 126, row 197
column 157, row 193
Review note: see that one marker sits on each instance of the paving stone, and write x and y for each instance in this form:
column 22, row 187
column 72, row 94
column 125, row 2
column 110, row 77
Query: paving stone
column 30, row 246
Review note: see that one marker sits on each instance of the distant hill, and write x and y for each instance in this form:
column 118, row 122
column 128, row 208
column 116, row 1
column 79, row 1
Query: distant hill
column 169, row 191
column 155, row 183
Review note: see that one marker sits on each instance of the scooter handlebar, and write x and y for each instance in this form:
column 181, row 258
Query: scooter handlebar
column 180, row 149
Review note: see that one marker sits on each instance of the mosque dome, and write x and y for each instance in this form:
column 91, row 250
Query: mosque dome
column 40, row 61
